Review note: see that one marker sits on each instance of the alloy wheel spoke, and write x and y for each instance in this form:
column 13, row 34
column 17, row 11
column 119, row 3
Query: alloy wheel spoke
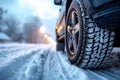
column 70, row 43
column 73, row 18
column 73, row 29
column 76, row 29
column 69, row 29
column 74, row 43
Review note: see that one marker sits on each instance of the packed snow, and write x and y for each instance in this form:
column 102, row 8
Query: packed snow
column 22, row 62
column 42, row 62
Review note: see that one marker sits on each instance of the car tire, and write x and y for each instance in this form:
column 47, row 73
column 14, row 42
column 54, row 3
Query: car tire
column 87, row 45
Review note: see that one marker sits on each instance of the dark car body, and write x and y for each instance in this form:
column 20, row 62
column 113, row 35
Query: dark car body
column 102, row 9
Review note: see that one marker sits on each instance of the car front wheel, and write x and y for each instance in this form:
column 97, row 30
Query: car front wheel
column 87, row 45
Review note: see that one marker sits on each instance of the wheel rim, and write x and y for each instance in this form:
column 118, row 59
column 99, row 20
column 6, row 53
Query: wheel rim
column 72, row 33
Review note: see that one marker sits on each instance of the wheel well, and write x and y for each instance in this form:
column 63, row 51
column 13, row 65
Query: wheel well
column 67, row 6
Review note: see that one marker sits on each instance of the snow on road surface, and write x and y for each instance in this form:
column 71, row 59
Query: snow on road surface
column 57, row 67
column 42, row 62
column 22, row 62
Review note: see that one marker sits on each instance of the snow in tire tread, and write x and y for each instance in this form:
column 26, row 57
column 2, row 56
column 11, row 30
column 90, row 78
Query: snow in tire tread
column 99, row 42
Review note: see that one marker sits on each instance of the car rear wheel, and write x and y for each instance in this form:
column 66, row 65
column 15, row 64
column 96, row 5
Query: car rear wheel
column 60, row 46
column 87, row 45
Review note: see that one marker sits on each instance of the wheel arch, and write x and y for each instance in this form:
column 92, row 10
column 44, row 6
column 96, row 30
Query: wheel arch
column 68, row 2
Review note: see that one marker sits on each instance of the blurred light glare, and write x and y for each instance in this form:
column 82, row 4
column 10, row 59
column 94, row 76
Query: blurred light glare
column 49, row 39
column 45, row 36
column 59, row 29
column 42, row 29
column 40, row 9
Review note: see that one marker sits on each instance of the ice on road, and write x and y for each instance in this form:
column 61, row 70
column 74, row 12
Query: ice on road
column 42, row 62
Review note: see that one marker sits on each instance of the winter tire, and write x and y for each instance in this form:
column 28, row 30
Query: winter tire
column 87, row 45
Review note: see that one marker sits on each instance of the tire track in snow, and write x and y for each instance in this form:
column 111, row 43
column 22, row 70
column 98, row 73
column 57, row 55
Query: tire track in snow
column 33, row 70
column 26, row 64
column 6, row 72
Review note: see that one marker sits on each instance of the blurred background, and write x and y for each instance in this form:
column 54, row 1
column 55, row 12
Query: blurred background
column 28, row 21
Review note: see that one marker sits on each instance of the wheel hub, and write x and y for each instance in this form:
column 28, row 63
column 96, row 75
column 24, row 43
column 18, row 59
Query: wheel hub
column 73, row 33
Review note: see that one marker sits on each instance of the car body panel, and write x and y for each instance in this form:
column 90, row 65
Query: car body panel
column 60, row 26
column 100, row 10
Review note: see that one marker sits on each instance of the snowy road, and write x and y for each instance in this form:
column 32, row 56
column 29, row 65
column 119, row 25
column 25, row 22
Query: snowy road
column 22, row 62
column 57, row 67
column 42, row 62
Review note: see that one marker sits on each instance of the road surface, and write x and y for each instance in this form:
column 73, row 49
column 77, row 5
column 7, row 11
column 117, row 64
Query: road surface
column 42, row 62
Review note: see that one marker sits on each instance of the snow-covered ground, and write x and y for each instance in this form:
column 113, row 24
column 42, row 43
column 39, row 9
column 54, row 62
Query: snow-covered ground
column 57, row 67
column 42, row 62
column 22, row 61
